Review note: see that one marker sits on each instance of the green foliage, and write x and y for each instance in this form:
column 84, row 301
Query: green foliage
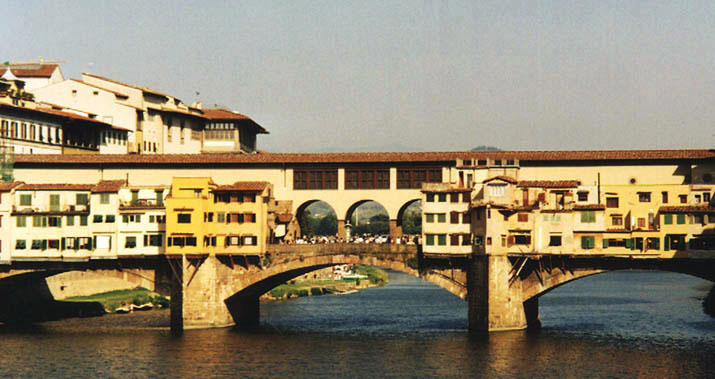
column 161, row 301
column 315, row 291
column 141, row 298
column 486, row 148
column 374, row 275
column 412, row 223
column 278, row 292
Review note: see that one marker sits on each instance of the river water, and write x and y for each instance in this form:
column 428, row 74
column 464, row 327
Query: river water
column 621, row 324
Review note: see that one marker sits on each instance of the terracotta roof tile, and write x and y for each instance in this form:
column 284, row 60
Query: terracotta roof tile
column 700, row 208
column 504, row 178
column 9, row 186
column 55, row 187
column 108, row 186
column 143, row 89
column 549, row 183
column 243, row 186
column 224, row 114
column 338, row 158
column 40, row 71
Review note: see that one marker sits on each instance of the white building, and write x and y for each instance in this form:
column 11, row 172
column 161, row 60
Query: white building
column 35, row 74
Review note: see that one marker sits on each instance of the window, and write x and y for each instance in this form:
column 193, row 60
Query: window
column 652, row 243
column 442, row 197
column 466, row 218
column 497, row 190
column 25, row 199
column 70, row 220
column 523, row 217
column 555, row 240
column 644, row 197
column 54, row 221
column 668, row 219
column 153, row 239
column 83, row 220
column 611, row 202
column 582, row 196
column 454, row 217
column 20, row 245
column 21, row 221
column 53, row 244
column 466, row 239
column 454, row 197
column 367, row 179
column 97, row 219
column 430, row 198
column 442, row 239
column 82, row 199
column 454, row 239
column 184, row 218
column 588, row 217
column 429, row 217
column 430, row 239
column 664, row 194
column 39, row 221
column 220, row 217
column 109, row 219
column 641, row 222
column 441, row 217
column 190, row 241
column 36, row 244
column 616, row 220
column 104, row 198
column 522, row 239
column 130, row 242
column 588, row 242
column 681, row 219
column 315, row 179
column 683, row 198
column 414, row 177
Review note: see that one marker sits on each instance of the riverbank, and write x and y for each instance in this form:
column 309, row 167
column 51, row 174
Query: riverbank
column 123, row 300
column 365, row 277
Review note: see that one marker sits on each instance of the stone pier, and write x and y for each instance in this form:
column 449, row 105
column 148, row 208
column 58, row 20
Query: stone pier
column 493, row 302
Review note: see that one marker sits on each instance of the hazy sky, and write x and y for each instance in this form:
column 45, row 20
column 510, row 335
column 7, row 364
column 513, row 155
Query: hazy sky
column 407, row 75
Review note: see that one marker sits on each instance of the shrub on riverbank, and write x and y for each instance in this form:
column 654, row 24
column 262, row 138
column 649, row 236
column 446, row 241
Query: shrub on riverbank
column 115, row 299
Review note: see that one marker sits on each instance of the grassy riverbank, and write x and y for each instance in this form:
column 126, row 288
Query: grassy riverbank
column 121, row 298
column 315, row 287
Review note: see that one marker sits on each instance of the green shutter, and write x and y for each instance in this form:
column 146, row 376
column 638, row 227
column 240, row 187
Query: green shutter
column 63, row 243
column 668, row 219
column 681, row 219
column 92, row 242
column 666, row 243
column 44, row 244
column 146, row 240
column 629, row 243
column 605, row 243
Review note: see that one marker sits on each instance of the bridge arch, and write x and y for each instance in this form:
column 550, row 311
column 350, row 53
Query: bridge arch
column 301, row 213
column 401, row 214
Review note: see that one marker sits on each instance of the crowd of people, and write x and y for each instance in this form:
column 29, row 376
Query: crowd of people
column 406, row 239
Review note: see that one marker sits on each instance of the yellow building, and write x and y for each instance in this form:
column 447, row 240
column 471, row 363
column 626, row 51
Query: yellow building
column 190, row 217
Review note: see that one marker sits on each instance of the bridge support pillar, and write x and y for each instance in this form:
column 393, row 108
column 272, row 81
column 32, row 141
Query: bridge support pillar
column 395, row 230
column 246, row 311
column 199, row 290
column 341, row 229
column 493, row 302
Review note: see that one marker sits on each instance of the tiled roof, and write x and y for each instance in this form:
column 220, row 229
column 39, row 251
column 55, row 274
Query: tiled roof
column 338, row 158
column 507, row 179
column 224, row 114
column 549, row 183
column 143, row 89
column 41, row 71
column 64, row 116
column 9, row 186
column 108, row 186
column 118, row 94
column 700, row 208
column 55, row 187
column 584, row 207
column 243, row 186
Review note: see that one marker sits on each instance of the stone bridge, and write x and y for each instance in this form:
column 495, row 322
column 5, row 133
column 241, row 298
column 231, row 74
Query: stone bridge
column 502, row 292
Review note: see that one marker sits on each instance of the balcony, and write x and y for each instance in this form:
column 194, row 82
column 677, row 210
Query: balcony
column 52, row 209
column 141, row 204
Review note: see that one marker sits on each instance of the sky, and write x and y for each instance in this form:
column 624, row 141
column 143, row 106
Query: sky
column 328, row 76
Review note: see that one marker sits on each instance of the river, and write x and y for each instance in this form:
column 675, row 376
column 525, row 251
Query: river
column 621, row 324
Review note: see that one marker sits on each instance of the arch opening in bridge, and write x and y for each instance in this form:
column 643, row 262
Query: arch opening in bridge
column 369, row 218
column 317, row 218
column 625, row 299
column 409, row 217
